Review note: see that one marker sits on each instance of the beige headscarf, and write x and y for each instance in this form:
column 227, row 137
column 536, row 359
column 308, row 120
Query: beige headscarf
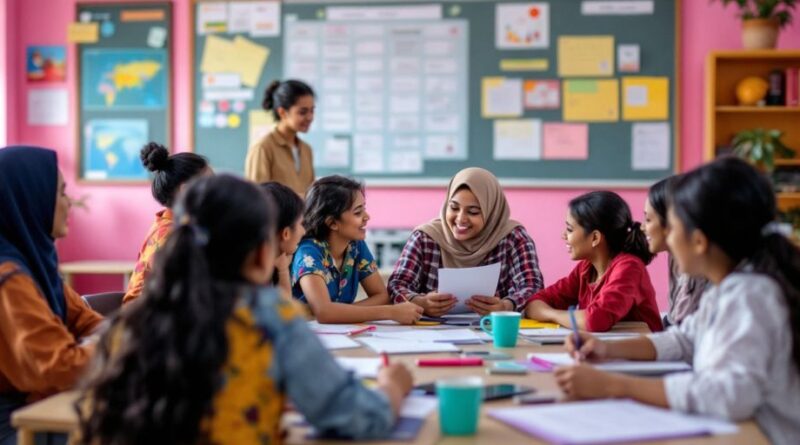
column 486, row 188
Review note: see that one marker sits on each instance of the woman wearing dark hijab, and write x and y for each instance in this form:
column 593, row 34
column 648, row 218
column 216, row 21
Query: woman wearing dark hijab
column 42, row 320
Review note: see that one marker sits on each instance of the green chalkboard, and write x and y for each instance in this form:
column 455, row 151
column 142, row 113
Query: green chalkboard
column 124, row 88
column 609, row 160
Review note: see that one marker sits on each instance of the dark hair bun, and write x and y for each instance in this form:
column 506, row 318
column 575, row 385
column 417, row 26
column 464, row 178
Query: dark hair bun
column 269, row 95
column 154, row 156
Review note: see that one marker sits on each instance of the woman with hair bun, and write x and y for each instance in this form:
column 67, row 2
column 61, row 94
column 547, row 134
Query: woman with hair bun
column 169, row 175
column 281, row 156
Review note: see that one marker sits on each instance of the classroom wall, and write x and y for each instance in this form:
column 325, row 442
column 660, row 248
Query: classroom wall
column 118, row 216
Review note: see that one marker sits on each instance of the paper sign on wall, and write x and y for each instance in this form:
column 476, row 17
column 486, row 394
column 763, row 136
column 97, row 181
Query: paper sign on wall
column 524, row 65
column 628, row 58
column 336, row 152
column 83, row 32
column 566, row 141
column 212, row 17
column 645, row 98
column 542, row 94
column 251, row 59
column 47, row 107
column 650, row 146
column 591, row 100
column 502, row 97
column 522, row 25
column 517, row 139
column 585, row 56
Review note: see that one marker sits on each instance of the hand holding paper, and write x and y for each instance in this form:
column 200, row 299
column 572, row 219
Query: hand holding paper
column 465, row 282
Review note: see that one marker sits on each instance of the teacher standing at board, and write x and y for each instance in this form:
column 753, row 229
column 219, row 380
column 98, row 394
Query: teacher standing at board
column 281, row 156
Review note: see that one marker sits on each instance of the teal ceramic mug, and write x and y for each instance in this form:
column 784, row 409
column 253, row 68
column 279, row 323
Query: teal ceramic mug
column 504, row 328
column 459, row 405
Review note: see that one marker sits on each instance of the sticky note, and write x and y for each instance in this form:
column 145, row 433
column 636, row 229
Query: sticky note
column 251, row 58
column 585, row 56
column 83, row 32
column 645, row 98
column 591, row 100
column 218, row 55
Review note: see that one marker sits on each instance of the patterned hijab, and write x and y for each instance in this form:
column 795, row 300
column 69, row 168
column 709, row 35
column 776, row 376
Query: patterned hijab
column 496, row 215
column 28, row 182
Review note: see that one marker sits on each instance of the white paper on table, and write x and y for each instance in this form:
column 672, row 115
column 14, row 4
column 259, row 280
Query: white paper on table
column 465, row 282
column 428, row 335
column 265, row 19
column 517, row 139
column 547, row 332
column 48, row 106
column 337, row 152
column 650, row 146
column 624, row 366
column 333, row 342
column 418, row 406
column 364, row 368
column 327, row 328
column 394, row 346
column 626, row 7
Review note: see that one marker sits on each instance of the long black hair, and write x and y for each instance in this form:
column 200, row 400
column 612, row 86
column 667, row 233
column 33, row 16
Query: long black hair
column 289, row 204
column 169, row 172
column 658, row 196
column 159, row 365
column 284, row 94
column 733, row 204
column 610, row 215
column 328, row 198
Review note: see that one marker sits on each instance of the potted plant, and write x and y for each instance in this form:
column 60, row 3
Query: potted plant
column 762, row 20
column 760, row 147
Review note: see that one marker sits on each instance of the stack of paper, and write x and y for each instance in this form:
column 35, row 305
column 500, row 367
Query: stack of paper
column 394, row 346
column 553, row 360
column 456, row 336
column 607, row 421
column 365, row 368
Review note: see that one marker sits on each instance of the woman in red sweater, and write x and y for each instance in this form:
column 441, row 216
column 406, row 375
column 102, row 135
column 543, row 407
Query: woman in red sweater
column 610, row 283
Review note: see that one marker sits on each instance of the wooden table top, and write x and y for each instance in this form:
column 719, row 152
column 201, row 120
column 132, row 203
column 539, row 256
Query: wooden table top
column 98, row 267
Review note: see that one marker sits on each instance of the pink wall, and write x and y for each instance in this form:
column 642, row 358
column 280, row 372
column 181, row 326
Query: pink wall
column 120, row 215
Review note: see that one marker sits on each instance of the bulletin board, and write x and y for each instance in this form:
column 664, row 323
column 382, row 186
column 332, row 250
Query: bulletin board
column 124, row 87
column 562, row 93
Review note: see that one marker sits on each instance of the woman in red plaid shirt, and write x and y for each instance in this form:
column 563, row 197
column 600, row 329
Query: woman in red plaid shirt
column 474, row 229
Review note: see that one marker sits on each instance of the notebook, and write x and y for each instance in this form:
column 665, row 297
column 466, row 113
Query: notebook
column 549, row 361
column 394, row 346
column 607, row 421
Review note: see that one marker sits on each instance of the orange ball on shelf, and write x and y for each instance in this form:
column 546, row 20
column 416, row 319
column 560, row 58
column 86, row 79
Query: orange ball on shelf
column 751, row 90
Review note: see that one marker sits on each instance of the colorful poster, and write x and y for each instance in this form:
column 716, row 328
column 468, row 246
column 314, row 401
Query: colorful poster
column 46, row 63
column 111, row 149
column 522, row 25
column 542, row 94
column 591, row 100
column 501, row 97
column 582, row 56
column 124, row 79
column 645, row 98
column 566, row 141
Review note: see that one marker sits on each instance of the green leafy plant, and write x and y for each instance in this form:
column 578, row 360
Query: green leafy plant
column 765, row 9
column 760, row 147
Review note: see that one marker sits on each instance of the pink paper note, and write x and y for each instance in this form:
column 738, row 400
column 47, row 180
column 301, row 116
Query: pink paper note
column 566, row 141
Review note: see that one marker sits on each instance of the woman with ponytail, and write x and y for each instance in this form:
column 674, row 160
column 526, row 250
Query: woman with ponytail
column 211, row 356
column 281, row 155
column 169, row 175
column 744, row 340
column 610, row 283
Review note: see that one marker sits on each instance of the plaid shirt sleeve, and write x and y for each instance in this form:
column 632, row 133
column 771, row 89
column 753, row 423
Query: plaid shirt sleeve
column 522, row 277
column 415, row 263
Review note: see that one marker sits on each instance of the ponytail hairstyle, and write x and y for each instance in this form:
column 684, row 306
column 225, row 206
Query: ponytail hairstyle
column 289, row 204
column 658, row 196
column 284, row 95
column 326, row 199
column 734, row 206
column 170, row 172
column 608, row 213
column 159, row 366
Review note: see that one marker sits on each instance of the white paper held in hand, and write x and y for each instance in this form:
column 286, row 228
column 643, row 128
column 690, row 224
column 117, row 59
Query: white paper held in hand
column 465, row 282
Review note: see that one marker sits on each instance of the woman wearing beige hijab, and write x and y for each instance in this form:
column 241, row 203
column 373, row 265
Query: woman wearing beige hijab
column 474, row 229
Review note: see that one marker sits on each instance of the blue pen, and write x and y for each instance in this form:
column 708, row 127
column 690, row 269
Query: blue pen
column 574, row 324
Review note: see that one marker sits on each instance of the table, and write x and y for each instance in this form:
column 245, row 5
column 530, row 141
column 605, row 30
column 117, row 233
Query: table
column 100, row 267
column 55, row 414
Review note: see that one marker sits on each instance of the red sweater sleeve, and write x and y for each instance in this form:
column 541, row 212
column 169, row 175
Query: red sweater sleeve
column 564, row 292
column 616, row 297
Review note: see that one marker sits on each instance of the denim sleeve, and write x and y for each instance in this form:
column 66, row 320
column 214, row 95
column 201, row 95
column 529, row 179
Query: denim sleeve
column 333, row 400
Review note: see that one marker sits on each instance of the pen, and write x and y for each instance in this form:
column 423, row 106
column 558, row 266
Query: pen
column 385, row 359
column 577, row 336
column 461, row 361
column 361, row 330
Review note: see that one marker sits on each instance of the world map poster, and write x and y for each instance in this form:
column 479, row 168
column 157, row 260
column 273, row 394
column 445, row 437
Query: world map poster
column 124, row 79
column 111, row 149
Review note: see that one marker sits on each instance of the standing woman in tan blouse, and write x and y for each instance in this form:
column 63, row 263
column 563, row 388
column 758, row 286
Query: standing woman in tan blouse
column 281, row 156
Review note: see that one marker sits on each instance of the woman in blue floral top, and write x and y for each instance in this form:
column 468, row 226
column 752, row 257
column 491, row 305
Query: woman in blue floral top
column 333, row 259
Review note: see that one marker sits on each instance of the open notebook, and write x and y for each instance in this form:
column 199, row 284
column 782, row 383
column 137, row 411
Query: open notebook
column 607, row 421
column 550, row 361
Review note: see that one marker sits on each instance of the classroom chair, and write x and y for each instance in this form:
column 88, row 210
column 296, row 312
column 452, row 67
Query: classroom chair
column 106, row 303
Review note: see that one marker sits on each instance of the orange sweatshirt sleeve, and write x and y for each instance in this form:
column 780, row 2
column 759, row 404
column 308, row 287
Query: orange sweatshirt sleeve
column 38, row 353
column 82, row 320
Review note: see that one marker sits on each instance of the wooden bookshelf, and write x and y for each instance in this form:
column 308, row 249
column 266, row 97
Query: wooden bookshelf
column 725, row 117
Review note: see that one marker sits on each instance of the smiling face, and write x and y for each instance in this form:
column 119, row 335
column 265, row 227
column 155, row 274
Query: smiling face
column 654, row 231
column 61, row 212
column 352, row 224
column 464, row 216
column 580, row 244
column 300, row 115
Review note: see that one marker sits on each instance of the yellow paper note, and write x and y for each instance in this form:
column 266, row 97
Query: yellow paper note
column 260, row 123
column 83, row 32
column 501, row 97
column 251, row 58
column 585, row 56
column 591, row 100
column 218, row 56
column 524, row 65
column 645, row 98
column 527, row 323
